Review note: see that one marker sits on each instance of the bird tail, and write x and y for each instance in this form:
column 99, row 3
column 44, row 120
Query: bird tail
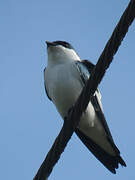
column 109, row 161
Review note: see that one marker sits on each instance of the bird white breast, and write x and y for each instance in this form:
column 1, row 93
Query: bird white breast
column 64, row 86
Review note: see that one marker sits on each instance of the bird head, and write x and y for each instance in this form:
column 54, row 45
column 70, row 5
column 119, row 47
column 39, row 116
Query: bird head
column 61, row 52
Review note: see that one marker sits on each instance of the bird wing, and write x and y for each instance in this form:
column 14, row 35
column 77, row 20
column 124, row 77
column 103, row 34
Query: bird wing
column 111, row 162
column 85, row 68
column 45, row 86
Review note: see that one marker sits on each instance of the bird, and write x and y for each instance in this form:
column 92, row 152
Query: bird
column 64, row 78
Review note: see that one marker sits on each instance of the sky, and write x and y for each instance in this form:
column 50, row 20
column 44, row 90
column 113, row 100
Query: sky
column 29, row 122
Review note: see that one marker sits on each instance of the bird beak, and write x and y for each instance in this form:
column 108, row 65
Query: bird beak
column 50, row 43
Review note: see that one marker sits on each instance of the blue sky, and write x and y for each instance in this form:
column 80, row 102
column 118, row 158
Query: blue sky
column 29, row 121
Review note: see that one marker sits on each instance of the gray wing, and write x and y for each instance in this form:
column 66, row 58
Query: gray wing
column 111, row 162
column 85, row 68
column 45, row 87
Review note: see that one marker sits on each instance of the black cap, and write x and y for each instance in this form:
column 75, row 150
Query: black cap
column 62, row 43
